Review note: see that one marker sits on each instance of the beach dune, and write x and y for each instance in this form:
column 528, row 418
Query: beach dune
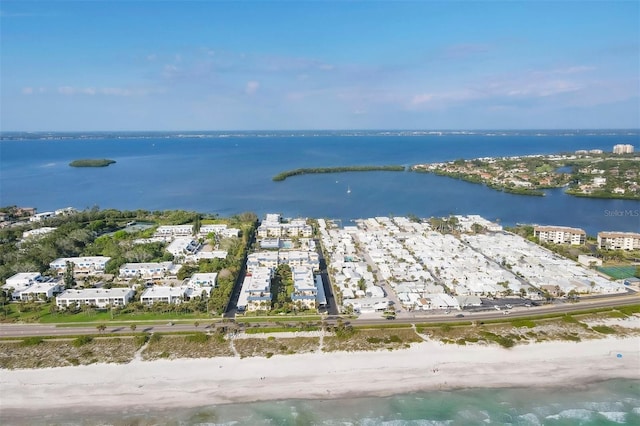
column 425, row 366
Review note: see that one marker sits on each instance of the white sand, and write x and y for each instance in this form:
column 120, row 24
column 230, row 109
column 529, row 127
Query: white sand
column 200, row 382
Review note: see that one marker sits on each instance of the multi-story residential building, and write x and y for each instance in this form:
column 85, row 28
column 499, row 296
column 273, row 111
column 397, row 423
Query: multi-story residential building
column 19, row 282
column 256, row 291
column 158, row 294
column 37, row 232
column 38, row 217
column 560, row 235
column 40, row 290
column 219, row 229
column 148, row 270
column 619, row 240
column 305, row 290
column 174, row 231
column 623, row 149
column 203, row 279
column 84, row 264
column 98, row 297
column 294, row 258
column 262, row 259
column 271, row 227
column 183, row 246
column 271, row 259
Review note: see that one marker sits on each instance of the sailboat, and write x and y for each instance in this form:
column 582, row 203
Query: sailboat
column 348, row 189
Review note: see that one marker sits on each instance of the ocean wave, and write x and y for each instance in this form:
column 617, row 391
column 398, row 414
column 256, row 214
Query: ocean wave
column 614, row 416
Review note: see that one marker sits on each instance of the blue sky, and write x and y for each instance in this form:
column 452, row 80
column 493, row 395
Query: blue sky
column 212, row 65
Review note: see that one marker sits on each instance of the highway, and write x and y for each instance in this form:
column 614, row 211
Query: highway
column 27, row 330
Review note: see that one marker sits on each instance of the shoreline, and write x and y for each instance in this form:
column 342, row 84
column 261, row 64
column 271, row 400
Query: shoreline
column 191, row 383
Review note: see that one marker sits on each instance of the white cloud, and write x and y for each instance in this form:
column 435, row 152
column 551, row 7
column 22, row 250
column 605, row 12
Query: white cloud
column 105, row 91
column 67, row 90
column 251, row 87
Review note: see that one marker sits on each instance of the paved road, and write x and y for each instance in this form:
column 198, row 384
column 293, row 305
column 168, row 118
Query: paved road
column 25, row 330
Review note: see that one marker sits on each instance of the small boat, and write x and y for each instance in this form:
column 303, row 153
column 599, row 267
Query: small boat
column 348, row 190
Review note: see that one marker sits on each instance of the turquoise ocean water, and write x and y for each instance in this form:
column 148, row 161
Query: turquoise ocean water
column 612, row 402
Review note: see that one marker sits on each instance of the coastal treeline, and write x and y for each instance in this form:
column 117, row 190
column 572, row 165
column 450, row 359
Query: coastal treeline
column 92, row 162
column 593, row 175
column 306, row 171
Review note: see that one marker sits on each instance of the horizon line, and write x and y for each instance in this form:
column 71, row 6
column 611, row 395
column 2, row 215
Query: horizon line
column 331, row 130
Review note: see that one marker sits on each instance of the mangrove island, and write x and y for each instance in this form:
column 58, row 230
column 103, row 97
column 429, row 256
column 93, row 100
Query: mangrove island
column 92, row 162
column 305, row 171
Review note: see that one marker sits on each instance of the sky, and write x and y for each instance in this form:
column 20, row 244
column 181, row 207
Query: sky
column 275, row 65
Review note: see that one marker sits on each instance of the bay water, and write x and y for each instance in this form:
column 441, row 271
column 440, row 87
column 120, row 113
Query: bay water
column 230, row 173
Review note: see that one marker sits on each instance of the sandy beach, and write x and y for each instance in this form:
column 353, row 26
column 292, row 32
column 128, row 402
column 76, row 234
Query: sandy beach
column 425, row 366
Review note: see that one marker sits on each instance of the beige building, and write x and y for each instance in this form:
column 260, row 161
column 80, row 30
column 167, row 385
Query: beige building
column 623, row 149
column 560, row 235
column 619, row 240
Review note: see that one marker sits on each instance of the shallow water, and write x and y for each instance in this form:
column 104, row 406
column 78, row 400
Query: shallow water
column 611, row 402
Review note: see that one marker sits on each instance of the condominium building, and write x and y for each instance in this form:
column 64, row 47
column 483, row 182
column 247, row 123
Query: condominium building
column 19, row 282
column 256, row 291
column 39, row 291
column 219, row 229
column 163, row 294
column 98, row 297
column 148, row 270
column 560, row 235
column 619, row 240
column 305, row 291
column 86, row 264
column 37, row 232
column 623, row 149
column 174, row 231
column 271, row 227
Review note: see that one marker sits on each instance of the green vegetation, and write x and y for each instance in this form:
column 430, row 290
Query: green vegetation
column 618, row 272
column 604, row 329
column 82, row 340
column 198, row 338
column 529, row 175
column 59, row 352
column 523, row 323
column 305, row 171
column 92, row 162
column 32, row 341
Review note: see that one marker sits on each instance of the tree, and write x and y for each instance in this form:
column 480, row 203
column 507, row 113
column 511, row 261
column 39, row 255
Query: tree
column 132, row 327
column 68, row 278
column 362, row 285
column 4, row 298
column 197, row 224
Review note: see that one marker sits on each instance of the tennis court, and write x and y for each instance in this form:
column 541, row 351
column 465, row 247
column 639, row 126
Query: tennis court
column 618, row 272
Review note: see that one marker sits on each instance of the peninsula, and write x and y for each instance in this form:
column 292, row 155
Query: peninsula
column 305, row 171
column 595, row 175
column 92, row 162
